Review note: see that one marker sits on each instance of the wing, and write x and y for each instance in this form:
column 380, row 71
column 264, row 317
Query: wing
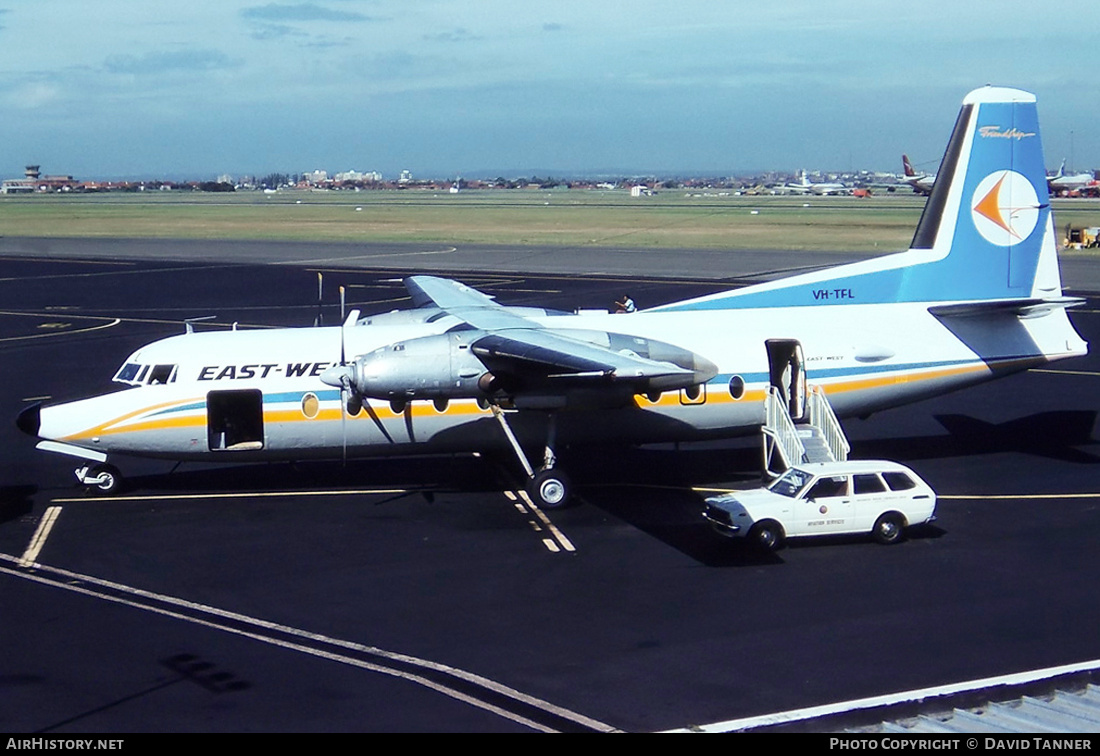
column 470, row 305
column 523, row 349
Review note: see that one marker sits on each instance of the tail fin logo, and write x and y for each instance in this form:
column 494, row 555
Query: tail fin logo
column 1005, row 208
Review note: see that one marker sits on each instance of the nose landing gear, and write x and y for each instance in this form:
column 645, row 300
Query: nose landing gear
column 100, row 478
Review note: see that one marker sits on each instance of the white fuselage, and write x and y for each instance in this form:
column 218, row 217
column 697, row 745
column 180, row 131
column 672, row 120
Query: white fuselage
column 866, row 357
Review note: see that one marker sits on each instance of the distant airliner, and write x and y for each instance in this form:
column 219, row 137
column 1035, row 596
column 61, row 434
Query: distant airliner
column 921, row 182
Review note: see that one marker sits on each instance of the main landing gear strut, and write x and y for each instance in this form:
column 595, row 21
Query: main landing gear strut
column 548, row 487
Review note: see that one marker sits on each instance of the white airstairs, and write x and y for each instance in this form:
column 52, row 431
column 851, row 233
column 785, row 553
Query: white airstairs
column 816, row 437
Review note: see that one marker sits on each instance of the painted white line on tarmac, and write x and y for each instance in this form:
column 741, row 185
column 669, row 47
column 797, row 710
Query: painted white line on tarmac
column 237, row 495
column 994, row 497
column 558, row 535
column 1065, row 372
column 53, row 334
column 38, row 540
column 314, row 644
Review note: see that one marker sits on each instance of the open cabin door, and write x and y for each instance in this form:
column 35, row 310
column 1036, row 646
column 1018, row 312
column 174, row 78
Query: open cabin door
column 235, row 420
column 787, row 373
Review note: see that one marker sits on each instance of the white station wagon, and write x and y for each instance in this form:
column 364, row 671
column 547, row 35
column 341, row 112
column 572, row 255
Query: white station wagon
column 830, row 498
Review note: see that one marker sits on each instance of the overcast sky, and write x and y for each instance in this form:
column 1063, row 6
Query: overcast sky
column 145, row 88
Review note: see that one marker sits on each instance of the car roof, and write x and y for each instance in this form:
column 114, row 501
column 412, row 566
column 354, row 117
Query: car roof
column 853, row 466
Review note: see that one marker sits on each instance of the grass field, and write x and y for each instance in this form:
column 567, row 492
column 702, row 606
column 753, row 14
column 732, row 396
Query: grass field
column 671, row 219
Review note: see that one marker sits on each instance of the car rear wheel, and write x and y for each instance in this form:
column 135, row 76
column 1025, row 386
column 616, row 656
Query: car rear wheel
column 889, row 528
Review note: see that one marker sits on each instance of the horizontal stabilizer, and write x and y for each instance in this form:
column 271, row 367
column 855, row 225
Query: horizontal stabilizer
column 1024, row 308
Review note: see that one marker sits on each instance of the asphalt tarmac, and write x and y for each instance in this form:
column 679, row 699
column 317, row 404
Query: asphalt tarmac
column 421, row 595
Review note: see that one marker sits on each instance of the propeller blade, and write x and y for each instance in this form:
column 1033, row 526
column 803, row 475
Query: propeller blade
column 344, row 426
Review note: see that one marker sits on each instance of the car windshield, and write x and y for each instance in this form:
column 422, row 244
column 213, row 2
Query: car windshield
column 790, row 482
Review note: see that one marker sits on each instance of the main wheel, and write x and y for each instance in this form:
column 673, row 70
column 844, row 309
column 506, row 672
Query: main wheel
column 767, row 534
column 549, row 489
column 889, row 528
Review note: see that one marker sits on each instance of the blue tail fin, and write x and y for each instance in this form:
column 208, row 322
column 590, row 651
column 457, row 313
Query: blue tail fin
column 987, row 218
column 986, row 232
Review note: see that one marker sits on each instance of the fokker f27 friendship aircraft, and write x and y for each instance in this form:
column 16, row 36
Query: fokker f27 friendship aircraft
column 977, row 296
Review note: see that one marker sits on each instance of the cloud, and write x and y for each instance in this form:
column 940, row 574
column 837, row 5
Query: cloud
column 159, row 62
column 276, row 31
column 31, row 95
column 456, row 35
column 276, row 12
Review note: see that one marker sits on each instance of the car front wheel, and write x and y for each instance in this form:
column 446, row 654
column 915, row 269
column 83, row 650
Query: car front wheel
column 767, row 534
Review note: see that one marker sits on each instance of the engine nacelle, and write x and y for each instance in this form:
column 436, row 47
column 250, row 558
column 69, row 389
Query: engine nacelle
column 444, row 366
column 429, row 367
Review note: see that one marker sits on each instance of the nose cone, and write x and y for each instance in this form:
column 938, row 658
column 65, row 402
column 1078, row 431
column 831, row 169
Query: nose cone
column 30, row 420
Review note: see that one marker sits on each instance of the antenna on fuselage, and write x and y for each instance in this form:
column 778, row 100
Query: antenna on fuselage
column 189, row 323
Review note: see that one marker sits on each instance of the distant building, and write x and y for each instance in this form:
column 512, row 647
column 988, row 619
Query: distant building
column 17, row 186
column 34, row 181
column 355, row 177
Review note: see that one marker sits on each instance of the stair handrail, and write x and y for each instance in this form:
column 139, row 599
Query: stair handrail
column 822, row 416
column 779, row 426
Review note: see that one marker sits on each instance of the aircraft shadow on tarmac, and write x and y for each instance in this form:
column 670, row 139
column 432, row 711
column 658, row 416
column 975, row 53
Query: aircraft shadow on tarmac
column 413, row 475
column 650, row 488
column 1053, row 435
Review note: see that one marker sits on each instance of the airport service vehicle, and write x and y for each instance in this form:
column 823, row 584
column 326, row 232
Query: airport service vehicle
column 977, row 296
column 828, row 498
column 1081, row 238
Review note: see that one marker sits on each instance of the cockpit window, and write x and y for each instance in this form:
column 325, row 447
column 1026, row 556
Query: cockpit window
column 128, row 373
column 152, row 375
column 162, row 374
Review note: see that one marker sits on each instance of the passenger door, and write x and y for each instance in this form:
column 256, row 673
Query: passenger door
column 870, row 498
column 826, row 507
